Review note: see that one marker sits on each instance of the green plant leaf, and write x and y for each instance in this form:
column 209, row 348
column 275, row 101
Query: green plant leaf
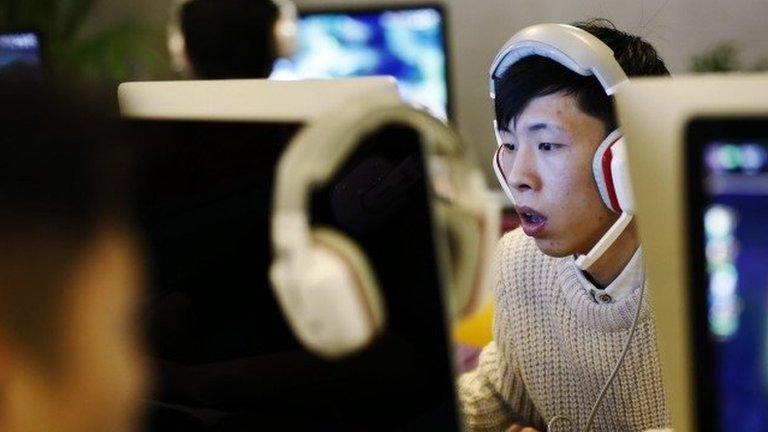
column 724, row 57
column 74, row 16
column 112, row 54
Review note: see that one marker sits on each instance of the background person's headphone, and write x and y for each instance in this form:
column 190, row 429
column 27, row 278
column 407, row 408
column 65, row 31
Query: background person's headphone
column 286, row 28
column 285, row 33
column 323, row 281
column 585, row 54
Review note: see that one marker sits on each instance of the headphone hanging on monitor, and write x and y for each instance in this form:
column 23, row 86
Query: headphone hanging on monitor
column 323, row 281
column 285, row 33
column 585, row 54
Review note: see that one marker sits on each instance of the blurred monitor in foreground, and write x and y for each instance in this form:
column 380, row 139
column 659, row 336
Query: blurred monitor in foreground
column 227, row 359
column 20, row 57
column 408, row 43
column 698, row 150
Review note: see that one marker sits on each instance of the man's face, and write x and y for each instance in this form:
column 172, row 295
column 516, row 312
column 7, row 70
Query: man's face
column 548, row 167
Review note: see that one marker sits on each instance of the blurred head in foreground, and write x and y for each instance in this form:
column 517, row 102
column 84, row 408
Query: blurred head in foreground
column 70, row 351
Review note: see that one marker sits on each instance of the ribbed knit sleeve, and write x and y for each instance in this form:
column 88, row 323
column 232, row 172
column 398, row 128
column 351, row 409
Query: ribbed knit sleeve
column 482, row 404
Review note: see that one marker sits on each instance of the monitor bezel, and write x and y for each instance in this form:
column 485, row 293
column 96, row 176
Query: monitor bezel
column 700, row 131
column 395, row 7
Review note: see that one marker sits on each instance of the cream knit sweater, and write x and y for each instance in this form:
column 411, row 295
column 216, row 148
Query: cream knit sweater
column 555, row 347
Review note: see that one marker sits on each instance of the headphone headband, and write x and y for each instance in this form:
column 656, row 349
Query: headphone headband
column 321, row 148
column 296, row 177
column 574, row 48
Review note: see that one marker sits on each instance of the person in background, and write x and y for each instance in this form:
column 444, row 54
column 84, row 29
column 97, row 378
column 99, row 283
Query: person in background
column 70, row 271
column 224, row 39
column 560, row 330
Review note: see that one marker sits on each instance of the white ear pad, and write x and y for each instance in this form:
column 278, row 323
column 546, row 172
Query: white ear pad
column 286, row 28
column 333, row 305
column 286, row 36
column 177, row 44
column 611, row 170
column 621, row 177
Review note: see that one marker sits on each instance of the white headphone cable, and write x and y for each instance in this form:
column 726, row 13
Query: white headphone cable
column 615, row 372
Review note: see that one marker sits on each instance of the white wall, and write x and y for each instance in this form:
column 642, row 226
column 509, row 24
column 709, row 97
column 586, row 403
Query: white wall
column 678, row 28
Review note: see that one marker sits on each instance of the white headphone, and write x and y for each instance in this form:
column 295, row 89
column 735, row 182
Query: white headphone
column 286, row 28
column 285, row 36
column 585, row 54
column 323, row 281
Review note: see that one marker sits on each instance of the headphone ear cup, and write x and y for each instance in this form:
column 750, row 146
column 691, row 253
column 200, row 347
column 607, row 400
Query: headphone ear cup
column 347, row 310
column 604, row 167
column 622, row 182
column 286, row 36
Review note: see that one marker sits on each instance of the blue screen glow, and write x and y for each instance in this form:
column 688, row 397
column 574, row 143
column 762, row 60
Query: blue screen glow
column 19, row 56
column 406, row 44
column 736, row 242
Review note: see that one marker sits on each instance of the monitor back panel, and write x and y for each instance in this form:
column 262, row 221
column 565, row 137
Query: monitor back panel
column 226, row 358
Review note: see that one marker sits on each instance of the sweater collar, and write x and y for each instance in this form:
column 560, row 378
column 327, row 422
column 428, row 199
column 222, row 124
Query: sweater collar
column 616, row 315
column 630, row 278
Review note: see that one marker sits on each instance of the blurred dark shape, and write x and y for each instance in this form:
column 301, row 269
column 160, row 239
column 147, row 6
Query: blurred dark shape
column 229, row 38
column 374, row 192
column 62, row 176
column 70, row 272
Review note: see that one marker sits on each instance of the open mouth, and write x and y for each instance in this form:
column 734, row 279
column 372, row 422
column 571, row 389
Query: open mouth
column 532, row 221
column 533, row 218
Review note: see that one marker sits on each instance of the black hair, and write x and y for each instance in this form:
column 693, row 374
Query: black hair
column 230, row 38
column 537, row 76
column 63, row 175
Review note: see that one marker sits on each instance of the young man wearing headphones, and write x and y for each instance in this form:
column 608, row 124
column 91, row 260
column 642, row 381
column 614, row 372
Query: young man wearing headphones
column 574, row 340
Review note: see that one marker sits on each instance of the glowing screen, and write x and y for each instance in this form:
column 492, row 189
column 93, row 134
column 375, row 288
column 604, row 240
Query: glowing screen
column 407, row 44
column 735, row 241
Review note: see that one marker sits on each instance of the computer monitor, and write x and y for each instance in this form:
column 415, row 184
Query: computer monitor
column 226, row 358
column 728, row 202
column 248, row 99
column 406, row 42
column 20, row 57
column 696, row 148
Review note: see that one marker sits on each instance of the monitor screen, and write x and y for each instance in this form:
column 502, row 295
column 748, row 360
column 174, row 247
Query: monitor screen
column 406, row 43
column 728, row 184
column 226, row 358
column 20, row 57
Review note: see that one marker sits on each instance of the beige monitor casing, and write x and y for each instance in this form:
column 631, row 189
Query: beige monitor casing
column 248, row 99
column 654, row 113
